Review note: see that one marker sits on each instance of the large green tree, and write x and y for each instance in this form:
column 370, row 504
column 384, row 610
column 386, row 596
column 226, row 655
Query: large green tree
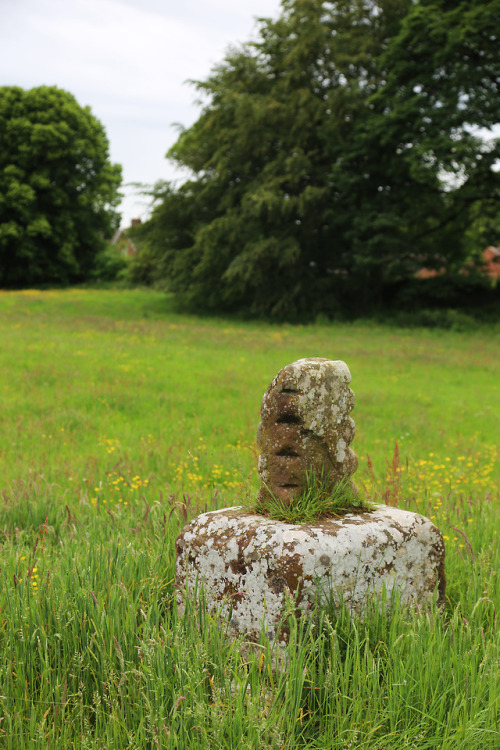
column 438, row 105
column 58, row 189
column 333, row 157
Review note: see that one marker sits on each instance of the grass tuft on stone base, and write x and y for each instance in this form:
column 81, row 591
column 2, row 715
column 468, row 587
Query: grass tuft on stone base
column 315, row 503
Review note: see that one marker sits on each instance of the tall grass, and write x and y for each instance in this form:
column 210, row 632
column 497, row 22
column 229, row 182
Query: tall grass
column 120, row 420
column 316, row 501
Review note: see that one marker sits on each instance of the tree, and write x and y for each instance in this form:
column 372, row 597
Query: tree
column 443, row 85
column 58, row 188
column 318, row 180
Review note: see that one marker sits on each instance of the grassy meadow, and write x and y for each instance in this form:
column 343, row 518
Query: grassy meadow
column 121, row 419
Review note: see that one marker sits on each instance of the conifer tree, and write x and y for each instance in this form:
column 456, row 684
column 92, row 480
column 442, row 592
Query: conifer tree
column 322, row 161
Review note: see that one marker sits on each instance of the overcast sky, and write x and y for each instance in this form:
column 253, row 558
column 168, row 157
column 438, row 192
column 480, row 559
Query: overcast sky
column 129, row 61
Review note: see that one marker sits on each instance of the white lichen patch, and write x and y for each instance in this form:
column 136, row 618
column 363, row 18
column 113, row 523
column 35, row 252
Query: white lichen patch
column 251, row 564
column 340, row 452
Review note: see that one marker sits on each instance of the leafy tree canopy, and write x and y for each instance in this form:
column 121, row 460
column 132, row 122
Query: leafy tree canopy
column 58, row 189
column 334, row 157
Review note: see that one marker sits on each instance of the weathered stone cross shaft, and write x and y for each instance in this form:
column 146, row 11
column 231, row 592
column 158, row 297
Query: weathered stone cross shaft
column 305, row 427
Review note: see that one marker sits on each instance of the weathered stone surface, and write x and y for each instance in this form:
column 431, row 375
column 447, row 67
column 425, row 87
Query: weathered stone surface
column 305, row 426
column 251, row 563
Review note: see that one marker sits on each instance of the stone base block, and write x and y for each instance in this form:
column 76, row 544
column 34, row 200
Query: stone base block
column 252, row 564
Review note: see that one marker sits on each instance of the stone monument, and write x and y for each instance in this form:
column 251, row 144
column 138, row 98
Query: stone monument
column 250, row 565
column 305, row 426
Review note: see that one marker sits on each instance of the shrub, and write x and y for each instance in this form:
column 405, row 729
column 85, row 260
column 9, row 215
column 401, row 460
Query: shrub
column 109, row 265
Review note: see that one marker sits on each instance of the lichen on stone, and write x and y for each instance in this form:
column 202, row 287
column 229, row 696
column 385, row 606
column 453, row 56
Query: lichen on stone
column 250, row 565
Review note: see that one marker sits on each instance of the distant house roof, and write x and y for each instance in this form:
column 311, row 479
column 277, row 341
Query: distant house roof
column 492, row 261
column 429, row 273
column 491, row 266
column 123, row 243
